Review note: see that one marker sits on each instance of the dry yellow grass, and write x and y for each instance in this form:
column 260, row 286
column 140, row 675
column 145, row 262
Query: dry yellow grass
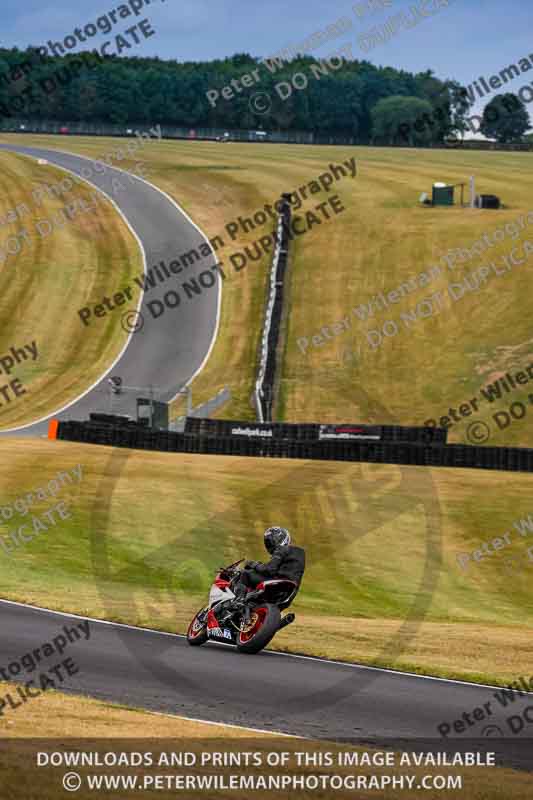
column 437, row 362
column 53, row 715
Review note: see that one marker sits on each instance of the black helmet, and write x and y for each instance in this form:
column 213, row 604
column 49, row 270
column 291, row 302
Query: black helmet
column 276, row 537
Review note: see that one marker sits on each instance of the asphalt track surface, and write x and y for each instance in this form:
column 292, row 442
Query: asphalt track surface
column 307, row 697
column 169, row 350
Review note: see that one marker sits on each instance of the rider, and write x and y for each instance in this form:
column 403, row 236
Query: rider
column 287, row 561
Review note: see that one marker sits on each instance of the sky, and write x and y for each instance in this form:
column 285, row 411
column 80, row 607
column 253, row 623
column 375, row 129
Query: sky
column 464, row 40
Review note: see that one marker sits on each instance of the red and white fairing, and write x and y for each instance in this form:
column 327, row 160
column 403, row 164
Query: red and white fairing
column 220, row 590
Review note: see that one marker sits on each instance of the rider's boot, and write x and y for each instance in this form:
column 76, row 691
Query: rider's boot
column 240, row 591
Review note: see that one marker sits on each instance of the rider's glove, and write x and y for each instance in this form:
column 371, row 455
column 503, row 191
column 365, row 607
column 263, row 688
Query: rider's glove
column 251, row 564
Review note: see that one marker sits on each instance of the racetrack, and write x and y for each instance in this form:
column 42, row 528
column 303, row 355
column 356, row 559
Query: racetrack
column 273, row 692
column 169, row 350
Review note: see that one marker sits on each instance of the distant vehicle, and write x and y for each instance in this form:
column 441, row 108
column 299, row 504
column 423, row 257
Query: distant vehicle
column 258, row 136
column 225, row 138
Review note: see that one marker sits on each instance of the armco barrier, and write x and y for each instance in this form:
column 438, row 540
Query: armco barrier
column 264, row 387
column 314, row 432
column 86, row 128
column 513, row 459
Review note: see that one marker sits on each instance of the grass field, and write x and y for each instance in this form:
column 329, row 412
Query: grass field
column 43, row 286
column 383, row 585
column 433, row 363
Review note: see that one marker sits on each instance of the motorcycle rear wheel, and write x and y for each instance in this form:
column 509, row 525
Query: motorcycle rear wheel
column 264, row 622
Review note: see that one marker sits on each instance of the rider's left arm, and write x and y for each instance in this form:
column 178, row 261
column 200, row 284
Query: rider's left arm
column 272, row 567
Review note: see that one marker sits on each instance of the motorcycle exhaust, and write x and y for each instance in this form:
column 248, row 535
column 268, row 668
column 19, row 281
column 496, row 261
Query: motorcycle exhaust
column 287, row 619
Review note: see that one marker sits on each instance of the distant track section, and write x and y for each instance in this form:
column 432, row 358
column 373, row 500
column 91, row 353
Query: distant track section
column 171, row 348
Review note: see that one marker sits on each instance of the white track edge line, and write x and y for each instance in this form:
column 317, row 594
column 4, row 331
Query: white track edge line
column 349, row 664
column 223, row 724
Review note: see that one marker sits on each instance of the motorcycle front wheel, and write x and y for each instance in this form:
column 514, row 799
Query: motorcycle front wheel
column 263, row 624
column 197, row 631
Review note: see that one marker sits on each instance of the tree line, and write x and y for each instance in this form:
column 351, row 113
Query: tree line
column 373, row 104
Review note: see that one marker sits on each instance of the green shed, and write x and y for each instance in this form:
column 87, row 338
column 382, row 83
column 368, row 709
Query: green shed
column 442, row 194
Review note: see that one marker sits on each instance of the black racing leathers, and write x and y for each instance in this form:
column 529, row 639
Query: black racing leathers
column 286, row 562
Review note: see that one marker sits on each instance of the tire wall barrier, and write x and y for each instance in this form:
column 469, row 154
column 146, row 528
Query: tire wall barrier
column 511, row 459
column 264, row 387
column 314, row 432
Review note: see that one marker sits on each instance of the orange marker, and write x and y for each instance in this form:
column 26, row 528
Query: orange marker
column 53, row 427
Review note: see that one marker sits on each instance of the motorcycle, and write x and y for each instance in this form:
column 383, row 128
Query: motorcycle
column 249, row 625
